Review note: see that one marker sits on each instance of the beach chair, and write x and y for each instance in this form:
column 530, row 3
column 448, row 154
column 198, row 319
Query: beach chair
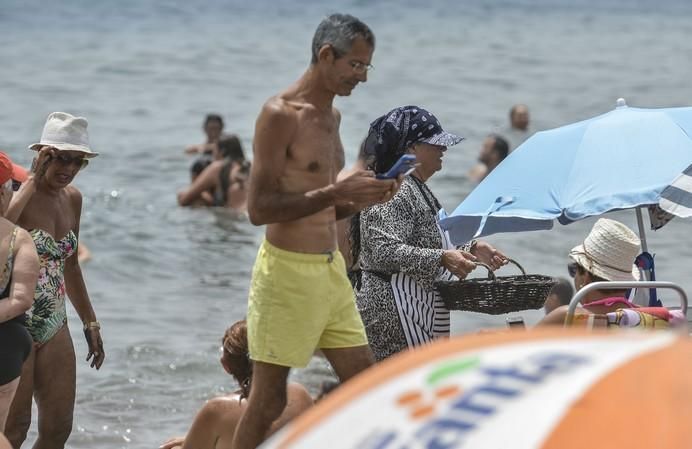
column 645, row 317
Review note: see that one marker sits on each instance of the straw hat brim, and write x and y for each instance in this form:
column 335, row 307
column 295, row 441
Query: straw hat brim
column 65, row 147
column 578, row 255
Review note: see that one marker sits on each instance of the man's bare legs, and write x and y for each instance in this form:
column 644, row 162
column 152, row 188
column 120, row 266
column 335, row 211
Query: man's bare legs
column 347, row 362
column 265, row 404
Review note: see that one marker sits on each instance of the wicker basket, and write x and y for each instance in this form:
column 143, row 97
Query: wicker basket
column 496, row 295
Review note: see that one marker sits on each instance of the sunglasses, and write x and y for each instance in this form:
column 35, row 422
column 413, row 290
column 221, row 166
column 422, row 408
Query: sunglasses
column 16, row 185
column 572, row 268
column 65, row 160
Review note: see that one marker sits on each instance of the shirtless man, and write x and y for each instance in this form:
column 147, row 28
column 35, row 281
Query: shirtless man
column 300, row 298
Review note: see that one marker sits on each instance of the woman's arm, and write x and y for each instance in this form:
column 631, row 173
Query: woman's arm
column 28, row 188
column 20, row 199
column 77, row 291
column 205, row 181
column 24, row 278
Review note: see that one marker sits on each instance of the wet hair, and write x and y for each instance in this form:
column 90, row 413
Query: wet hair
column 231, row 148
column 339, row 31
column 563, row 290
column 236, row 353
column 501, row 146
column 213, row 118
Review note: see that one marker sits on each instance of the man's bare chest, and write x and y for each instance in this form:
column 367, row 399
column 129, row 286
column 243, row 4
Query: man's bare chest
column 317, row 149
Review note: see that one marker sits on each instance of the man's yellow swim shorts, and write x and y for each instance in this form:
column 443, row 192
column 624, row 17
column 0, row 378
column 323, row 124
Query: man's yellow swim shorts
column 299, row 302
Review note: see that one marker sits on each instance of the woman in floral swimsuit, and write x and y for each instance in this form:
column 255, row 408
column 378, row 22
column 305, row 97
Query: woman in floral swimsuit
column 50, row 208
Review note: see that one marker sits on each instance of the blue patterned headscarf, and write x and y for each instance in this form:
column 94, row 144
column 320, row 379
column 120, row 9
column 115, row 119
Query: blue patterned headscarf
column 393, row 133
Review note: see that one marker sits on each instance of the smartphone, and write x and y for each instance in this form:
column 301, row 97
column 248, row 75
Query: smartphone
column 516, row 322
column 404, row 166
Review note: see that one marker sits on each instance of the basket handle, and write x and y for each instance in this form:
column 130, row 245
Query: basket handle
column 523, row 272
column 492, row 276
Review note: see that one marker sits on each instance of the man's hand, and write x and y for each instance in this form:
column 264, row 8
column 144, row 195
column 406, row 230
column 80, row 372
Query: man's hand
column 363, row 189
column 458, row 262
column 488, row 255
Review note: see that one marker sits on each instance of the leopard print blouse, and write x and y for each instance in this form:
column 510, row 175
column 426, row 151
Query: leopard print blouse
column 398, row 236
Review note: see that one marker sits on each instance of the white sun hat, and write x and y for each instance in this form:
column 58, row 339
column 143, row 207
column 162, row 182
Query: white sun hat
column 65, row 132
column 609, row 251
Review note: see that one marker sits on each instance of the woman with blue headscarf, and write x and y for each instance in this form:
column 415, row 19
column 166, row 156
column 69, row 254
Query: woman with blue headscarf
column 400, row 247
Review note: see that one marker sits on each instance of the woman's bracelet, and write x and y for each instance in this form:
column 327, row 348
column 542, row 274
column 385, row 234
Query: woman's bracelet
column 92, row 325
column 468, row 247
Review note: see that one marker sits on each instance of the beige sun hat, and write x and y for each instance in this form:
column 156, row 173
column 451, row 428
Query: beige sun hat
column 609, row 251
column 65, row 132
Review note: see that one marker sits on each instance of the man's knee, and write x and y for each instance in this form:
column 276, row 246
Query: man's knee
column 268, row 394
column 358, row 366
column 347, row 362
column 365, row 358
column 270, row 401
column 55, row 429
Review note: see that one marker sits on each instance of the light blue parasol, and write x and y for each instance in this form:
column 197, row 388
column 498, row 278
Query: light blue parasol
column 619, row 160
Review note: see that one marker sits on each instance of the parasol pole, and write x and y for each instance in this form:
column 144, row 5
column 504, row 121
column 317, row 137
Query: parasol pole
column 642, row 233
column 635, row 295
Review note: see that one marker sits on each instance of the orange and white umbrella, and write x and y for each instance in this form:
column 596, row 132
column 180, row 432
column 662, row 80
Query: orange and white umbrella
column 538, row 389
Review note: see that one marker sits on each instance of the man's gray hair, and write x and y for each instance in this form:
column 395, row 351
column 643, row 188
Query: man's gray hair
column 339, row 31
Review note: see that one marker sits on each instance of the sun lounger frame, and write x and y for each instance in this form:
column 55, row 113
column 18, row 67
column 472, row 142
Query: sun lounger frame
column 623, row 285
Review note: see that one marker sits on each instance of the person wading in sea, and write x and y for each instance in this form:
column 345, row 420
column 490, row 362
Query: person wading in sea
column 300, row 297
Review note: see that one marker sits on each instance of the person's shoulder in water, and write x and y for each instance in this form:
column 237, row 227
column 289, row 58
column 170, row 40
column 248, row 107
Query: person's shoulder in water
column 216, row 422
